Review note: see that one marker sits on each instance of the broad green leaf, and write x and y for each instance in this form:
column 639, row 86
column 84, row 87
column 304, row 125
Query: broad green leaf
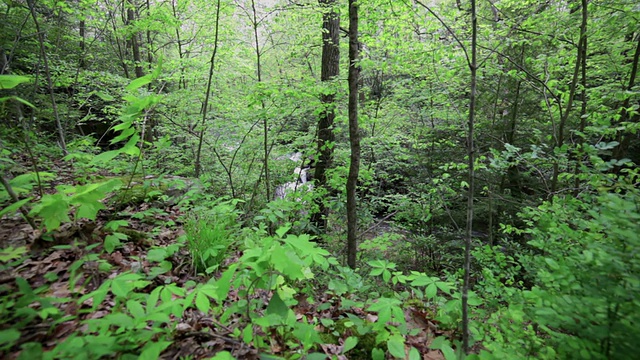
column 349, row 344
column 224, row 283
column 8, row 81
column 111, row 242
column 377, row 354
column 54, row 209
column 316, row 356
column 135, row 308
column 223, row 355
column 152, row 350
column 395, row 344
column 18, row 99
column 431, row 291
column 281, row 231
column 552, row 264
column 202, row 302
column 277, row 306
column 139, row 82
column 8, row 336
column 422, row 280
column 414, row 354
column 105, row 157
column 14, row 207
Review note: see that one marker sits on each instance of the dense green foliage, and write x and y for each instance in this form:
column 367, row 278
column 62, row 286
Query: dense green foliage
column 164, row 215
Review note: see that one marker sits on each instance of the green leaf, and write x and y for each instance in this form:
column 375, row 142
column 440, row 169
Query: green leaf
column 316, row 356
column 224, row 283
column 349, row 344
column 11, row 253
column 377, row 354
column 9, row 336
column 431, row 291
column 277, row 306
column 552, row 264
column 54, row 209
column 123, row 284
column 140, row 82
column 10, row 81
column 422, row 280
column 414, row 354
column 18, row 99
column 281, row 231
column 223, row 355
column 441, row 343
column 395, row 344
column 104, row 157
column 152, row 350
column 111, row 242
column 14, row 207
column 135, row 308
column 202, row 302
column 104, row 96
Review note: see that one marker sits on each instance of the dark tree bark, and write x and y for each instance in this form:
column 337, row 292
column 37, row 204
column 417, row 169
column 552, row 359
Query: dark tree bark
column 82, row 30
column 572, row 92
column 583, row 106
column 471, row 155
column 330, row 69
column 182, row 83
column 205, row 108
column 134, row 40
column 624, row 138
column 43, row 54
column 354, row 136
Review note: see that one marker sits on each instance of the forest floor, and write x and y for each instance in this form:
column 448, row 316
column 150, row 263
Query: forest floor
column 48, row 265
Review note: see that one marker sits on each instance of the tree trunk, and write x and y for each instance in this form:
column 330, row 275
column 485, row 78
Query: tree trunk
column 330, row 69
column 134, row 40
column 205, row 108
column 43, row 54
column 470, row 153
column 624, row 138
column 354, row 136
column 82, row 30
column 572, row 93
column 583, row 106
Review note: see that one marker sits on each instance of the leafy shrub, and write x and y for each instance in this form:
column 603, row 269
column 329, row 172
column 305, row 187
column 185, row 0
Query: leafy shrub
column 584, row 298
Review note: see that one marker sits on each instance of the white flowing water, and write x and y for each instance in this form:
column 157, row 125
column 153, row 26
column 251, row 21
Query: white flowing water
column 301, row 184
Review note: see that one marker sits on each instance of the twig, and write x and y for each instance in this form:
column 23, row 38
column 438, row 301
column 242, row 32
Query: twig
column 378, row 223
column 15, row 198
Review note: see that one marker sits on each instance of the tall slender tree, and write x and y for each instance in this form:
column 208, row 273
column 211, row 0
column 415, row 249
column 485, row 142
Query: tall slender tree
column 473, row 66
column 354, row 136
column 330, row 70
column 45, row 60
column 205, row 107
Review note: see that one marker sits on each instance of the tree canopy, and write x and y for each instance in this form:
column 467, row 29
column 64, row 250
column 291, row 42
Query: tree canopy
column 319, row 179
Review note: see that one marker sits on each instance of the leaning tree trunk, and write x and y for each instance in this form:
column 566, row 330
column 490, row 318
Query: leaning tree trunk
column 43, row 54
column 330, row 70
column 572, row 93
column 205, row 108
column 354, row 136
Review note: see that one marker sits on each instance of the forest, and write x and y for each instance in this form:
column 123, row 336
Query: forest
column 330, row 179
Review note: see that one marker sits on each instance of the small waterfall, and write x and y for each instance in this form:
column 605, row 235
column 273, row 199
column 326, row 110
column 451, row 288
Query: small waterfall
column 293, row 186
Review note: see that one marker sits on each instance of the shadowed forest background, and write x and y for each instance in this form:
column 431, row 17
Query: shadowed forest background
column 373, row 179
